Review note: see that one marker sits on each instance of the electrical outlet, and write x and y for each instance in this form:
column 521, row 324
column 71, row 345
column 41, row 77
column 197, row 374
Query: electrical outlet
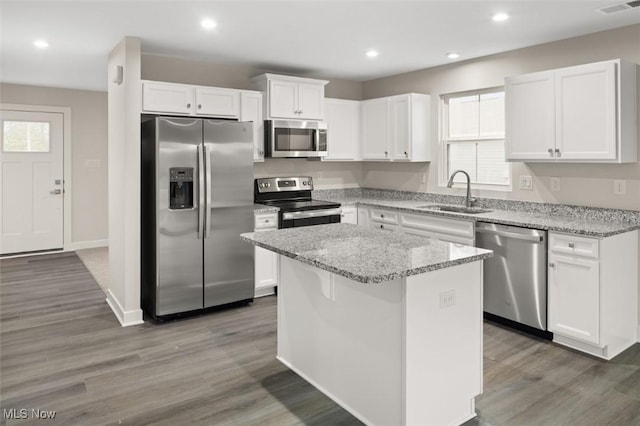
column 447, row 299
column 526, row 183
column 555, row 184
column 92, row 163
column 619, row 187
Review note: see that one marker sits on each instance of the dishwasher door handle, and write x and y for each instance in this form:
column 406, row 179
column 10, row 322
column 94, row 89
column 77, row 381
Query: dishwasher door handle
column 514, row 235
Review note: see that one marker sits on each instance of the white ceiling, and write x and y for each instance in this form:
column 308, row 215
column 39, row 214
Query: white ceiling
column 314, row 38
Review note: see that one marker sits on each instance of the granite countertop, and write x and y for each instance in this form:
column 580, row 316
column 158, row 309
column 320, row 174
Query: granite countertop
column 364, row 254
column 584, row 225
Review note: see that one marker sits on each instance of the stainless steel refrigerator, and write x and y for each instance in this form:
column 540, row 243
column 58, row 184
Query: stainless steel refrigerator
column 197, row 198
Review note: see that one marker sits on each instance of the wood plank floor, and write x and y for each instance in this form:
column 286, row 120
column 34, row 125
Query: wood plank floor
column 62, row 349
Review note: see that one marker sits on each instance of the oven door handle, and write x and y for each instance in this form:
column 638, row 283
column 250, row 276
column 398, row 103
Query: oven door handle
column 311, row 213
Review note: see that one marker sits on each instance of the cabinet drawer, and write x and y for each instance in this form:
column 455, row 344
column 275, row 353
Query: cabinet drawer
column 266, row 222
column 385, row 226
column 384, row 216
column 575, row 245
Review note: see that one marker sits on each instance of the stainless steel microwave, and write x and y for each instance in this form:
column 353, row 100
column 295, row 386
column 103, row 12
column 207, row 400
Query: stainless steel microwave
column 294, row 138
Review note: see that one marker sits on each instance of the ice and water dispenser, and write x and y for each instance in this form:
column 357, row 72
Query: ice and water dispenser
column 181, row 188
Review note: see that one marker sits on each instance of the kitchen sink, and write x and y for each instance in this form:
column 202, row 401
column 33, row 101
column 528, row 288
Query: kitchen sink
column 455, row 209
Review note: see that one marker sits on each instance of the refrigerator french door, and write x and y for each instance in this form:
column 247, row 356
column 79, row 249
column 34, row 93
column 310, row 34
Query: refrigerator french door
column 197, row 198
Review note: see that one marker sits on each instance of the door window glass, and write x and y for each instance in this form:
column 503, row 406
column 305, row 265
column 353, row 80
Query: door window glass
column 25, row 136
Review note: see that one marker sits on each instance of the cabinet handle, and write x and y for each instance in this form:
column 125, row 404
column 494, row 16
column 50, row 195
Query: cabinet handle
column 557, row 152
column 571, row 245
column 405, row 154
column 552, row 265
column 199, row 106
column 188, row 105
column 301, row 111
column 381, row 226
column 382, row 216
column 386, row 154
column 550, row 152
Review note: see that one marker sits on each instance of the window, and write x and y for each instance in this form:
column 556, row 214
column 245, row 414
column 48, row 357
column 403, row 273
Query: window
column 473, row 138
column 25, row 136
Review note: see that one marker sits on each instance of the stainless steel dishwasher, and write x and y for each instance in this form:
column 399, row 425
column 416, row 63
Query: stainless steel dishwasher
column 515, row 278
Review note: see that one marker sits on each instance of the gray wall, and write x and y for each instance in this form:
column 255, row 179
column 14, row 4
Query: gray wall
column 89, row 142
column 581, row 184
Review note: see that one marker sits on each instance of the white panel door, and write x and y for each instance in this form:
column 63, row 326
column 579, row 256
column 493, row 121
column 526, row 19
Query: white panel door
column 32, row 181
column 343, row 129
column 311, row 101
column 401, row 127
column 574, row 297
column 586, row 112
column 251, row 110
column 217, row 102
column 375, row 129
column 283, row 99
column 530, row 117
column 169, row 98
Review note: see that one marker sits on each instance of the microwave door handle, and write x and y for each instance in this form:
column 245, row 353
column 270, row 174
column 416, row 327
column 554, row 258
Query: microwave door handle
column 209, row 189
column 316, row 140
column 200, row 183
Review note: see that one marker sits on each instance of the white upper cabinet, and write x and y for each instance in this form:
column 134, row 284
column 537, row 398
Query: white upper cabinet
column 396, row 128
column 167, row 98
column 290, row 97
column 217, row 102
column 376, row 133
column 343, row 130
column 185, row 99
column 251, row 110
column 585, row 113
column 530, row 117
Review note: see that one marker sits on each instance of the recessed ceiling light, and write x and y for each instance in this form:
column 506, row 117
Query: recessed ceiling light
column 499, row 17
column 453, row 55
column 41, row 44
column 372, row 53
column 208, row 24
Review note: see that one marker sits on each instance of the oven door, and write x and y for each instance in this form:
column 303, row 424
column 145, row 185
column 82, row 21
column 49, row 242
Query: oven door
column 295, row 138
column 310, row 217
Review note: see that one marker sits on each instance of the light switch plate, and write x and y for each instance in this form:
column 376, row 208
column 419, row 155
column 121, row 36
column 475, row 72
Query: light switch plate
column 526, row 183
column 555, row 184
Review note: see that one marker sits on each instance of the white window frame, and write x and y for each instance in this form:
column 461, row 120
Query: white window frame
column 443, row 130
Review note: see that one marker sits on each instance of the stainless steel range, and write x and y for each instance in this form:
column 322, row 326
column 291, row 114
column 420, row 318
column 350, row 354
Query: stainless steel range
column 292, row 195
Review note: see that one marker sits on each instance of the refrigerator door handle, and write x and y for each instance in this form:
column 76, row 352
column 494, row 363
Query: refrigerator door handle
column 209, row 189
column 201, row 189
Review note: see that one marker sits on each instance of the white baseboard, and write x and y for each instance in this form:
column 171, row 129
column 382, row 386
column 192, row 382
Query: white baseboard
column 81, row 245
column 126, row 318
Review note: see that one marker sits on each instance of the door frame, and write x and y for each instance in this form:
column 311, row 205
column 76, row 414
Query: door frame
column 66, row 161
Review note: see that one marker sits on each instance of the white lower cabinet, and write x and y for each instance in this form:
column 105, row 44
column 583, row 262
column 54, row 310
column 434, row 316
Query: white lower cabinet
column 349, row 215
column 592, row 292
column 265, row 261
column 363, row 216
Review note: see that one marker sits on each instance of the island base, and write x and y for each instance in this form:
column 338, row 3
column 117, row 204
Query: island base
column 402, row 352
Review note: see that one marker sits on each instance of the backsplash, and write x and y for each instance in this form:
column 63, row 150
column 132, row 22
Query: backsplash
column 581, row 212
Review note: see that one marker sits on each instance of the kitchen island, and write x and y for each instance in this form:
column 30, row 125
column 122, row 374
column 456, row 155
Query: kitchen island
column 387, row 325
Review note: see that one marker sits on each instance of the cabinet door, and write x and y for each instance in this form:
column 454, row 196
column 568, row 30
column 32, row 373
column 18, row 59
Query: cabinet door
column 251, row 110
column 586, row 112
column 170, row 98
column 343, row 130
column 530, row 117
column 311, row 101
column 574, row 297
column 217, row 102
column 363, row 216
column 375, row 129
column 349, row 215
column 283, row 99
column 401, row 127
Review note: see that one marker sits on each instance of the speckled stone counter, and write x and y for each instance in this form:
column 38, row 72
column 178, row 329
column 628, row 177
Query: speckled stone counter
column 364, row 254
column 594, row 222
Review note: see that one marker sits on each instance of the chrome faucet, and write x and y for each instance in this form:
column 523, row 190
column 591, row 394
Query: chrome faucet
column 469, row 200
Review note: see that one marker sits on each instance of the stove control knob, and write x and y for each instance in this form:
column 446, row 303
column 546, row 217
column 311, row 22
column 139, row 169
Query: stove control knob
column 304, row 182
column 268, row 184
